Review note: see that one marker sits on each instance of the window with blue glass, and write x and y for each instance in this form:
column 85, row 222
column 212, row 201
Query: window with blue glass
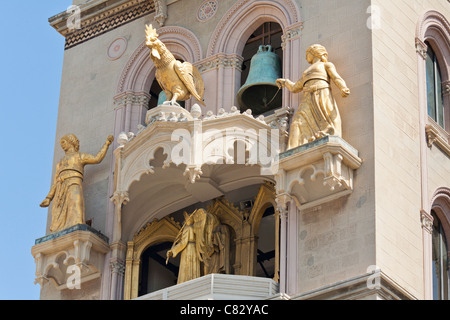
column 434, row 88
column 440, row 261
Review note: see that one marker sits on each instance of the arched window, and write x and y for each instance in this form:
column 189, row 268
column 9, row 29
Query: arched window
column 434, row 88
column 259, row 96
column 155, row 273
column 266, row 245
column 440, row 261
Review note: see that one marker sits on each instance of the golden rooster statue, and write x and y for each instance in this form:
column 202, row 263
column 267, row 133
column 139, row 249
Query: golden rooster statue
column 178, row 80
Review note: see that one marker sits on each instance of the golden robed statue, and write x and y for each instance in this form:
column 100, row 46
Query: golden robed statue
column 202, row 240
column 318, row 115
column 66, row 191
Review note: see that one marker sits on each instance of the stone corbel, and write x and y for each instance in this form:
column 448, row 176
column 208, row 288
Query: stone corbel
column 437, row 135
column 333, row 172
column 161, row 12
column 82, row 254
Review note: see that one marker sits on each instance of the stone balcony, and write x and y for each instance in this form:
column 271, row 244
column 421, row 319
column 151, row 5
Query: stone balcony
column 219, row 287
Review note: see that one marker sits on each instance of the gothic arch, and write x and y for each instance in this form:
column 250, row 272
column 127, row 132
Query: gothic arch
column 139, row 72
column 230, row 36
column 440, row 203
column 435, row 28
column 244, row 17
column 152, row 233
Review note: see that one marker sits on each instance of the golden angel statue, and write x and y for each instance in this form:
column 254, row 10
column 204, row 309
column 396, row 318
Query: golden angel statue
column 178, row 80
column 67, row 191
column 202, row 240
column 318, row 115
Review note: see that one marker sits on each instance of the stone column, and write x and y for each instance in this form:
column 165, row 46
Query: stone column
column 421, row 49
column 427, row 234
column 225, row 71
column 292, row 68
column 118, row 248
column 292, row 249
column 117, row 267
column 283, row 207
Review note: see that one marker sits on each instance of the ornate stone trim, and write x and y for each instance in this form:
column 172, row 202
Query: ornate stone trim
column 421, row 48
column 78, row 248
column 291, row 33
column 432, row 18
column 117, row 267
column 153, row 232
column 330, row 161
column 132, row 98
column 207, row 10
column 427, row 221
column 115, row 17
column 446, row 88
column 437, row 135
column 221, row 60
column 239, row 9
column 441, row 193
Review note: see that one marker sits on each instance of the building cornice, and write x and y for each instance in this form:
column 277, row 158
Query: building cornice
column 99, row 17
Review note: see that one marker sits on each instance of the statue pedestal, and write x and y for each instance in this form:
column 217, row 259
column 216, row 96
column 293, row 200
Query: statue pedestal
column 316, row 173
column 218, row 287
column 70, row 257
column 168, row 112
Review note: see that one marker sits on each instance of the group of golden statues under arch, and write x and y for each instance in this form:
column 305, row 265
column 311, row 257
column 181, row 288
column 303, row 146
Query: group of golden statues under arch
column 202, row 240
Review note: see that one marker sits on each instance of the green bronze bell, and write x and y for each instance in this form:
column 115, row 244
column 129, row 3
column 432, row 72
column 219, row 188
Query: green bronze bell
column 260, row 92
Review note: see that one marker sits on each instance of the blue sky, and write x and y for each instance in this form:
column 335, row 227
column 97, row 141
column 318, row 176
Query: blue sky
column 31, row 58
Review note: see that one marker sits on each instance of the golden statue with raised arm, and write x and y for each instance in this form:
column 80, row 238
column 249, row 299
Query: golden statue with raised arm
column 67, row 191
column 202, row 240
column 318, row 115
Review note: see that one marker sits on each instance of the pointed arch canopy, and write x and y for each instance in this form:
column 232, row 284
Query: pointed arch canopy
column 435, row 28
column 245, row 17
column 139, row 72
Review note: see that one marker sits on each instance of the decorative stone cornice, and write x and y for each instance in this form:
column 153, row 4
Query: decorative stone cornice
column 221, row 60
column 291, row 33
column 241, row 14
column 125, row 98
column 100, row 17
column 358, row 288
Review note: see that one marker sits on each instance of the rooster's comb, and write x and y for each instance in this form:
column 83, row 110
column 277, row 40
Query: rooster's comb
column 151, row 32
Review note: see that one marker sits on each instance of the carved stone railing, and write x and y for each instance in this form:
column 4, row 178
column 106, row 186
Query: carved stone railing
column 218, row 287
